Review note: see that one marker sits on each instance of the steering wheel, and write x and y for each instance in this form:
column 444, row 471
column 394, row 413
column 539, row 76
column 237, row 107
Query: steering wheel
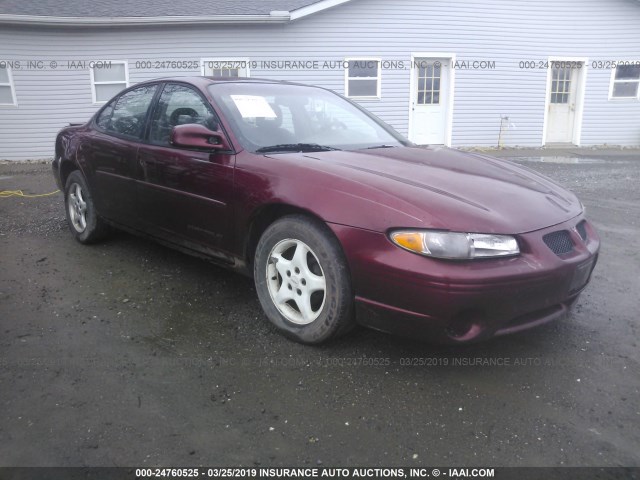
column 178, row 112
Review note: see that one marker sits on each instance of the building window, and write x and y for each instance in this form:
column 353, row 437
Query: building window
column 429, row 77
column 560, row 84
column 625, row 81
column 7, row 91
column 362, row 78
column 108, row 78
column 225, row 67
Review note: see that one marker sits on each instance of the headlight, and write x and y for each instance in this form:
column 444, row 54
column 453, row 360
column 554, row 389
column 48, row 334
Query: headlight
column 454, row 245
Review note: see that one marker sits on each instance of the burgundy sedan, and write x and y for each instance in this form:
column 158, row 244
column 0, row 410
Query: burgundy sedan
column 338, row 218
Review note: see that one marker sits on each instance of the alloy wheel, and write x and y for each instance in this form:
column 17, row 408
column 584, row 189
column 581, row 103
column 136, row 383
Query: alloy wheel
column 77, row 208
column 296, row 281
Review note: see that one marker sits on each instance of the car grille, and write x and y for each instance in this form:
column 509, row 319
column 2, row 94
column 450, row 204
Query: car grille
column 582, row 230
column 559, row 242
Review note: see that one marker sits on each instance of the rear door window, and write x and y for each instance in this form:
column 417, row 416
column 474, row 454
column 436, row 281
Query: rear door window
column 128, row 115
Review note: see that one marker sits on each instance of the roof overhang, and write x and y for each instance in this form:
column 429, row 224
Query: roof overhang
column 315, row 8
column 275, row 16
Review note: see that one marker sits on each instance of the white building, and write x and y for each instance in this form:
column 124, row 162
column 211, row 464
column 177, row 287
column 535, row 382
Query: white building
column 463, row 73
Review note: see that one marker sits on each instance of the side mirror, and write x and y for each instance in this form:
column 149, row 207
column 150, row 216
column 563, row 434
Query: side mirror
column 193, row 135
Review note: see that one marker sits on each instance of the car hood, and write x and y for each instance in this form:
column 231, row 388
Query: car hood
column 445, row 189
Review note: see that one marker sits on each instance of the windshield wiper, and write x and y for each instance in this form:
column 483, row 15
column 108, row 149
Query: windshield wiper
column 296, row 147
column 379, row 146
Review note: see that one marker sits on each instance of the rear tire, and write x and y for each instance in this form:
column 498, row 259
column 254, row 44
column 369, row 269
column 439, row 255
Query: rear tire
column 302, row 280
column 84, row 222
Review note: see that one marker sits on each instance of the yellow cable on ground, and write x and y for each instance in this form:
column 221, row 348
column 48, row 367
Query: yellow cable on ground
column 20, row 193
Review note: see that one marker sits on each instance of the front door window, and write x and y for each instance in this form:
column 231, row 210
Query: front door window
column 179, row 105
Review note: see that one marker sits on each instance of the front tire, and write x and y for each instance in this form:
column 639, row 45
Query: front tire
column 84, row 222
column 302, row 280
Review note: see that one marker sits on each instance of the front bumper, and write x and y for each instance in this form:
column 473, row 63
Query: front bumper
column 463, row 301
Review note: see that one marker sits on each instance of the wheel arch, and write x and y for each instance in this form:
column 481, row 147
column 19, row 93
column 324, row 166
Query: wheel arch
column 267, row 215
column 66, row 167
column 334, row 317
column 66, row 155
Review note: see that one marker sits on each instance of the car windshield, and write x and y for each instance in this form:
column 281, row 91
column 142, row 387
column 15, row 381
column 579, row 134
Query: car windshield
column 271, row 118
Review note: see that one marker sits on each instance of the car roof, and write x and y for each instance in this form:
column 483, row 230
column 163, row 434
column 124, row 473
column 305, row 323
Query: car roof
column 202, row 81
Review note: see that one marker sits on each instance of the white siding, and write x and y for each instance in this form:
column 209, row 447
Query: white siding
column 504, row 31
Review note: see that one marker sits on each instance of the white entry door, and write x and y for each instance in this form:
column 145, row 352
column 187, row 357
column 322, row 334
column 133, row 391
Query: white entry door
column 563, row 96
column 430, row 101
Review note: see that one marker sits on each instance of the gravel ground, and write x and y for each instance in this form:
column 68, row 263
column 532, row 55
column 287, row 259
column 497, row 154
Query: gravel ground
column 130, row 354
